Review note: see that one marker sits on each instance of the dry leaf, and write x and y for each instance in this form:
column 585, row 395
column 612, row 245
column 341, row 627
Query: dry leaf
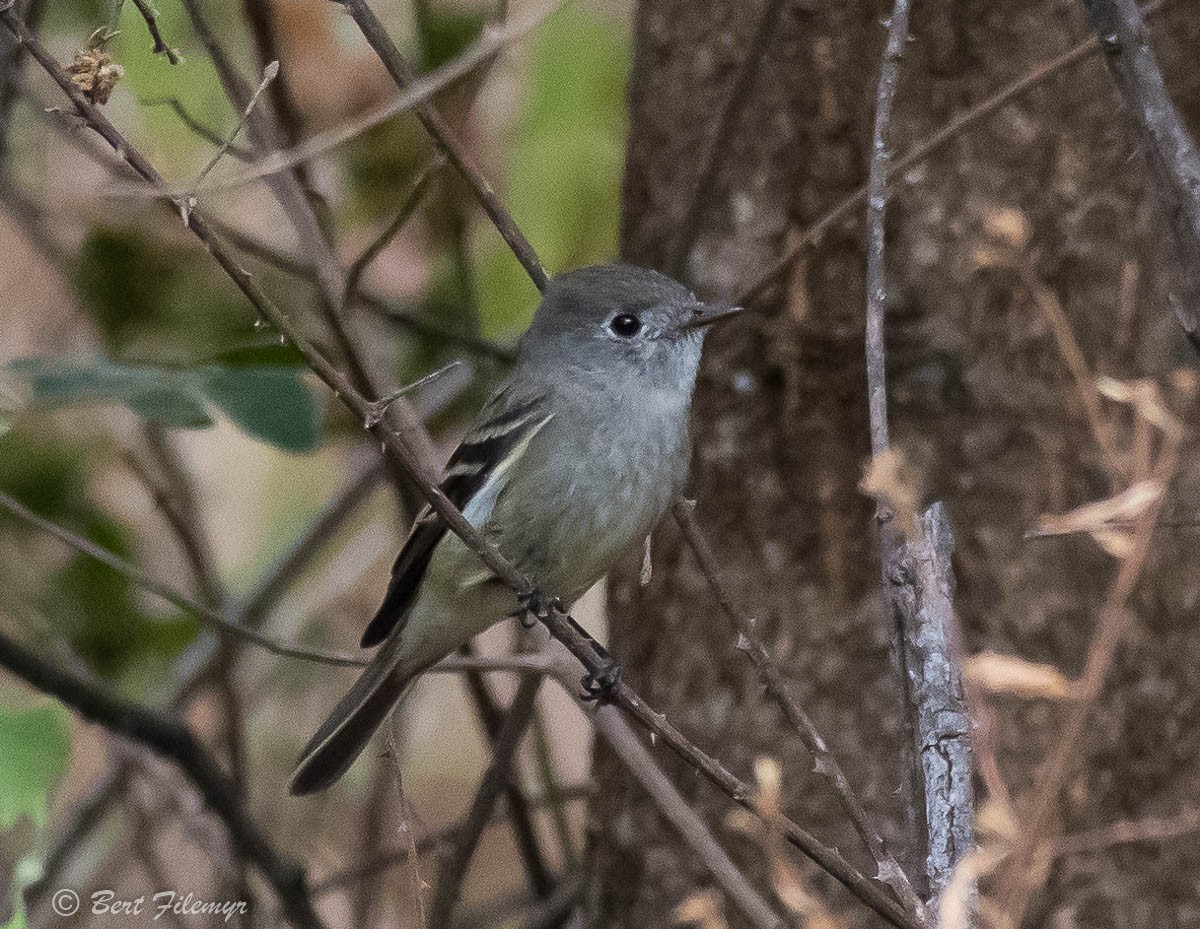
column 1144, row 396
column 95, row 74
column 1008, row 225
column 1007, row 674
column 704, row 909
column 889, row 478
column 998, row 820
column 1104, row 517
column 788, row 884
column 957, row 901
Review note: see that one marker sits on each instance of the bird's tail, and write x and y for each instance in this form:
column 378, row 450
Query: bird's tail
column 344, row 735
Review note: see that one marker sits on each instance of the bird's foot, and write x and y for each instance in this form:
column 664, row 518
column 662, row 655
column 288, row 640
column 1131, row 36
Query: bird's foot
column 598, row 688
column 534, row 606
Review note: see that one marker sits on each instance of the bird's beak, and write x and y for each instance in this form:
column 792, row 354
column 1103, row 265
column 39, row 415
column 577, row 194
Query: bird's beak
column 708, row 314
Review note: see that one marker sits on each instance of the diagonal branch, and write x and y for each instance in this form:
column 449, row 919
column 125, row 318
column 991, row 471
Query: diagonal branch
column 1169, row 148
column 826, row 764
column 928, row 146
column 497, row 776
column 448, row 142
column 207, row 614
column 400, row 449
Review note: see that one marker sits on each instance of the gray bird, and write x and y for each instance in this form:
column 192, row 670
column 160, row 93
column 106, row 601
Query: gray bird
column 568, row 466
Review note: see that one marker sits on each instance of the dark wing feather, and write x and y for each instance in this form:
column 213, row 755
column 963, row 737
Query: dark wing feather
column 502, row 428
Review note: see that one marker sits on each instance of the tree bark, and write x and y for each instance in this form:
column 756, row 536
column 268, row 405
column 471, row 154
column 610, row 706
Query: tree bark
column 981, row 404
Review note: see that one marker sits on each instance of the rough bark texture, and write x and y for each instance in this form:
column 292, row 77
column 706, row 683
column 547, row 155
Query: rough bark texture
column 980, row 400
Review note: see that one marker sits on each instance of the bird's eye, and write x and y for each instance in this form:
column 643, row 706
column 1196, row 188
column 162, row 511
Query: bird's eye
column 625, row 326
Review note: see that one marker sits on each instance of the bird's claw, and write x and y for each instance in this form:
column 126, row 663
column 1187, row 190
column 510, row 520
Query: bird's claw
column 533, row 606
column 598, row 687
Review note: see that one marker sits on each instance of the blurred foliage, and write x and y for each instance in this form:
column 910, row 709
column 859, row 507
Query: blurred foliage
column 34, row 746
column 562, row 162
column 268, row 402
column 152, row 299
column 98, row 611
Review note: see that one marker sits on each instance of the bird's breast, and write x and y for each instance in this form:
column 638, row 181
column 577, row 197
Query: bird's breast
column 599, row 477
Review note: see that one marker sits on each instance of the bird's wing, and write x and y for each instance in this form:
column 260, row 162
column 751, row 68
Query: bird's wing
column 472, row 481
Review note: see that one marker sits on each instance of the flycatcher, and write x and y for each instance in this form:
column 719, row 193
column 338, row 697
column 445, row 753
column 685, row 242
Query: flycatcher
column 568, row 466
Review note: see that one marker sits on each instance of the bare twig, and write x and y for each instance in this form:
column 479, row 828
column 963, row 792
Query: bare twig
column 173, row 741
column 208, row 614
column 415, row 95
column 1021, row 877
column 826, row 765
column 400, row 449
column 616, row 731
column 447, row 141
column 270, row 72
column 454, row 867
column 492, row 720
column 12, row 64
column 917, row 579
column 443, row 838
column 89, row 811
column 151, row 17
column 380, row 242
column 1170, row 149
column 924, row 149
column 304, row 270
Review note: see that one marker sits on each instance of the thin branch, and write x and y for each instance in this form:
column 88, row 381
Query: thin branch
column 826, row 764
column 208, row 614
column 616, row 731
column 151, row 17
column 12, row 65
column 447, row 141
column 174, row 741
column 1114, row 622
column 498, row 774
column 933, row 143
column 917, row 579
column 719, row 146
column 415, row 95
column 298, row 268
column 1171, row 151
column 270, row 72
column 89, row 811
column 492, row 720
column 399, row 448
column 415, row 195
column 427, row 844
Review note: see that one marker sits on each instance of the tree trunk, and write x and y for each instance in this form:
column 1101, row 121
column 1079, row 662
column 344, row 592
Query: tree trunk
column 982, row 404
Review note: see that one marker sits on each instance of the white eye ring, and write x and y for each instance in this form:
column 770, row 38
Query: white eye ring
column 626, row 325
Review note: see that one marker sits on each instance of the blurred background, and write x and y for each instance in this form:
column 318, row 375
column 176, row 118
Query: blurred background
column 135, row 381
column 1035, row 368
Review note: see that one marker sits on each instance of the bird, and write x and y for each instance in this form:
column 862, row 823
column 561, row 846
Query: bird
column 569, row 465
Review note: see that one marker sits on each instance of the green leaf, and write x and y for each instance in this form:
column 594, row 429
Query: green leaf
column 269, row 403
column 163, row 395
column 264, row 395
column 34, row 746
